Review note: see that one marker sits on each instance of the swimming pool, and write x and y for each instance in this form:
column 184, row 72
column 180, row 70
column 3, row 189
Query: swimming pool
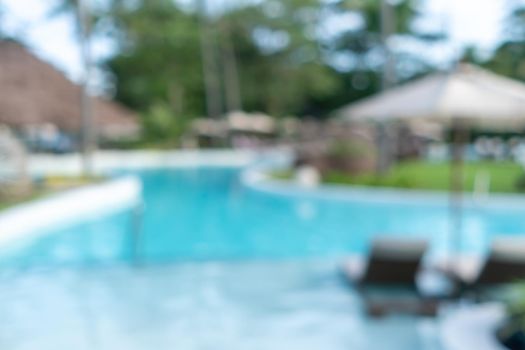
column 223, row 264
column 210, row 214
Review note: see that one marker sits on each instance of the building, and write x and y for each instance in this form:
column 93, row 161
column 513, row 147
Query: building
column 36, row 95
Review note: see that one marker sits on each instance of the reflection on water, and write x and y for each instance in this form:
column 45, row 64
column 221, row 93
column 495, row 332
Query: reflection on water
column 285, row 305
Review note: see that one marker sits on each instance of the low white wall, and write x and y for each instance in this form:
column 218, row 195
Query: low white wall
column 105, row 161
column 71, row 206
column 258, row 178
column 90, row 201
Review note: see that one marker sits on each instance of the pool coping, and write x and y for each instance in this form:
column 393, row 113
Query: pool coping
column 259, row 178
column 112, row 196
column 69, row 207
column 255, row 166
column 107, row 161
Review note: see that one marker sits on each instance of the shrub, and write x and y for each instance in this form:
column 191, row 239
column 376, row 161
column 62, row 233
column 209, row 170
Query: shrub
column 511, row 332
column 162, row 126
column 354, row 156
column 520, row 183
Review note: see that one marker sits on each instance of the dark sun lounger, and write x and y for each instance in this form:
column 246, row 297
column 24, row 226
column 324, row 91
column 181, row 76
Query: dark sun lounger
column 505, row 264
column 387, row 282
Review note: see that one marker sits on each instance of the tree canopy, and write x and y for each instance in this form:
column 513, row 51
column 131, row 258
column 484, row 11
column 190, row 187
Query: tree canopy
column 281, row 57
column 289, row 56
column 509, row 57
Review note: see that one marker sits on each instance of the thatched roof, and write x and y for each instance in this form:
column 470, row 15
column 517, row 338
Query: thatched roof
column 34, row 92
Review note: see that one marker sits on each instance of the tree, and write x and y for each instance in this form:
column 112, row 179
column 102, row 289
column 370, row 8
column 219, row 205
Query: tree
column 271, row 56
column 158, row 58
column 84, row 23
column 279, row 59
column 2, row 14
column 275, row 77
column 508, row 58
column 364, row 42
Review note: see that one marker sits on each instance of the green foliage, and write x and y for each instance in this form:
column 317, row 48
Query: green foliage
column 509, row 58
column 520, row 183
column 159, row 58
column 350, row 148
column 432, row 176
column 365, row 40
column 281, row 68
column 282, row 62
column 162, row 126
column 514, row 298
column 46, row 186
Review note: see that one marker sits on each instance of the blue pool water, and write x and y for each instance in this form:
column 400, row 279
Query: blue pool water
column 191, row 306
column 223, row 265
column 209, row 214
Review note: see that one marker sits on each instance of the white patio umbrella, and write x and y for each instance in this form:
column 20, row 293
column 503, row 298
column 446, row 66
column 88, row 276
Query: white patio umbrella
column 465, row 97
column 468, row 93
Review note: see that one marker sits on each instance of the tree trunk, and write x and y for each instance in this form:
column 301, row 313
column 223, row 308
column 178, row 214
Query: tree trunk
column 87, row 131
column 209, row 67
column 231, row 73
column 459, row 140
column 388, row 27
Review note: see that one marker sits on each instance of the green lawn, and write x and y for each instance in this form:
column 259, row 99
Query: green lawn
column 504, row 176
column 10, row 202
column 47, row 186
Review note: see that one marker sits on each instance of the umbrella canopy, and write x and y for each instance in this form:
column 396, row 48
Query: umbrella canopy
column 466, row 96
column 468, row 93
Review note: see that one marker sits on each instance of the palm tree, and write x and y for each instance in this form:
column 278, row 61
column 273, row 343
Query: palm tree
column 83, row 23
column 1, row 20
column 388, row 27
column 209, row 64
column 86, row 108
column 231, row 73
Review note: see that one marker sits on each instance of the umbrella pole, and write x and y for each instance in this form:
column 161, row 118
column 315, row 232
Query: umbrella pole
column 456, row 192
column 383, row 150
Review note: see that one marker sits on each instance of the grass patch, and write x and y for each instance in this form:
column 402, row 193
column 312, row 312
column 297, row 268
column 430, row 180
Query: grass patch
column 58, row 182
column 46, row 186
column 504, row 176
column 7, row 202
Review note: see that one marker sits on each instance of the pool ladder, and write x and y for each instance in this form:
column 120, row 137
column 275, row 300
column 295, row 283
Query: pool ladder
column 481, row 188
column 137, row 218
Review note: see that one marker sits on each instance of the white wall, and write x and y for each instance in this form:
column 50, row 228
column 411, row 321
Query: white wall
column 105, row 161
column 71, row 206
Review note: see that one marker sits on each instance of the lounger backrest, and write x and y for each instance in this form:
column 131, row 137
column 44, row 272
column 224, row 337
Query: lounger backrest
column 505, row 263
column 394, row 261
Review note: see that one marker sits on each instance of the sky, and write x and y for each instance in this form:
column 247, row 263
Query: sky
column 468, row 22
